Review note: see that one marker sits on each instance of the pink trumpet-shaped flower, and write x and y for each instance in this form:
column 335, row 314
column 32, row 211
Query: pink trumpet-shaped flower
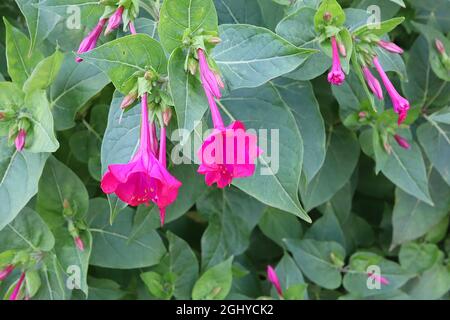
column 378, row 278
column 79, row 243
column 373, row 83
column 144, row 178
column 16, row 291
column 114, row 21
column 209, row 79
column 20, row 140
column 336, row 76
column 273, row 278
column 5, row 272
column 390, row 46
column 90, row 41
column 402, row 142
column 400, row 104
column 228, row 153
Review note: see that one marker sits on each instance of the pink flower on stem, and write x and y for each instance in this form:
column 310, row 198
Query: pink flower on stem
column 373, row 83
column 273, row 278
column 20, row 140
column 402, row 142
column 16, row 291
column 144, row 178
column 79, row 243
column 210, row 80
column 5, row 272
column 378, row 278
column 390, row 46
column 400, row 104
column 336, row 76
column 114, row 21
column 90, row 41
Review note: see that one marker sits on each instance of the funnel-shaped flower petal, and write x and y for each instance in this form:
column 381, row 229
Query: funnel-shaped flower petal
column 16, row 291
column 390, row 46
column 5, row 272
column 228, row 153
column 20, row 140
column 336, row 76
column 273, row 278
column 114, row 21
column 373, row 83
column 210, row 79
column 90, row 41
column 400, row 104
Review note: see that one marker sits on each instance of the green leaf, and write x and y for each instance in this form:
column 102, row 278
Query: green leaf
column 215, row 283
column 237, row 11
column 288, row 273
column 412, row 218
column 20, row 62
column 249, row 56
column 232, row 217
column 417, row 258
column 53, row 279
column 434, row 137
column 45, row 73
column 299, row 96
column 187, row 91
column 433, row 284
column 42, row 135
column 256, row 107
column 19, row 177
column 40, row 22
column 158, row 285
column 104, row 289
column 59, row 184
column 177, row 16
column 332, row 7
column 343, row 152
column 74, row 86
column 113, row 246
column 184, row 265
column 296, row 292
column 120, row 59
column 380, row 28
column 277, row 225
column 356, row 280
column 315, row 260
column 26, row 231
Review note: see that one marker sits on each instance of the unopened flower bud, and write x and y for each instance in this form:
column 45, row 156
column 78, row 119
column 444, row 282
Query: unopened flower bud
column 362, row 114
column 167, row 115
column 214, row 40
column 115, row 20
column 342, row 50
column 129, row 100
column 440, row 46
column 5, row 272
column 219, row 80
column 387, row 147
column 20, row 140
column 149, row 75
column 402, row 142
column 327, row 16
column 79, row 243
column 192, row 66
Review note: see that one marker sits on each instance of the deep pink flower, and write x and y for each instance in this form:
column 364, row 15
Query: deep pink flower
column 209, row 78
column 336, row 75
column 228, row 153
column 402, row 142
column 390, row 46
column 144, row 178
column 114, row 21
column 20, row 140
column 16, row 291
column 273, row 278
column 400, row 104
column 373, row 83
column 90, row 41
column 5, row 272
column 79, row 243
column 378, row 278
